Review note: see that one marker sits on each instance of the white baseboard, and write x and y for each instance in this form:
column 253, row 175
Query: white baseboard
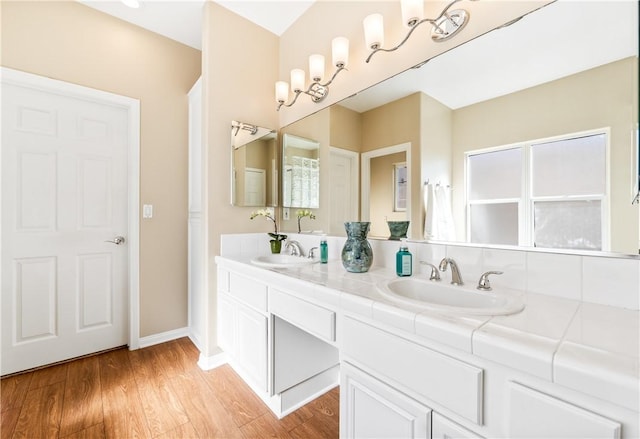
column 213, row 361
column 163, row 337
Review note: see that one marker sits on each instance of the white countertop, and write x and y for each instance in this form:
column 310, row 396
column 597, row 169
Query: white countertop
column 574, row 344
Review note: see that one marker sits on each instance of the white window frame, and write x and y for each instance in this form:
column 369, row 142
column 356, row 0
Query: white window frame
column 526, row 201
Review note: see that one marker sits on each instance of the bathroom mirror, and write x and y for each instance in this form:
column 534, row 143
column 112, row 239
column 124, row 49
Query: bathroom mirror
column 254, row 165
column 508, row 88
column 300, row 172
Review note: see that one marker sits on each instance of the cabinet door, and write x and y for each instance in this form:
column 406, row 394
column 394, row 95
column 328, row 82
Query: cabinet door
column 443, row 428
column 371, row 409
column 251, row 347
column 534, row 414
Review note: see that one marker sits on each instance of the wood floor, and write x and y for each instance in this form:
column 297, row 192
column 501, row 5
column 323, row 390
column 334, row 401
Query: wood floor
column 156, row 392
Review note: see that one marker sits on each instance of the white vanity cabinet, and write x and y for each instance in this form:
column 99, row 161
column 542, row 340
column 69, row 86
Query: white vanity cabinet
column 243, row 326
column 371, row 409
column 534, row 414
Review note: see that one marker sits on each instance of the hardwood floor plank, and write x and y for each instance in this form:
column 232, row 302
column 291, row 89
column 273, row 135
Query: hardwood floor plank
column 13, row 390
column 82, row 397
column 157, row 392
column 325, row 423
column 48, row 375
column 236, row 396
column 207, row 415
column 161, row 406
column 172, row 359
column 184, row 431
column 9, row 419
column 40, row 413
column 265, row 426
column 93, row 432
column 124, row 415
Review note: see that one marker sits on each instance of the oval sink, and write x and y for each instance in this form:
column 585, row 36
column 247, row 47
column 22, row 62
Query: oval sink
column 282, row 261
column 451, row 298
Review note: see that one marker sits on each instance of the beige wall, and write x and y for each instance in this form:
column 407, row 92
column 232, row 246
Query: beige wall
column 346, row 128
column 238, row 74
column 74, row 43
column 393, row 124
column 598, row 98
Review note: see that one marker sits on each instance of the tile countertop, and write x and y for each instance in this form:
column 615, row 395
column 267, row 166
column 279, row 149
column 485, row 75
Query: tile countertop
column 574, row 344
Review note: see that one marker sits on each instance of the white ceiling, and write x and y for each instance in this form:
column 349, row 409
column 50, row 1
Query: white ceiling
column 181, row 20
column 563, row 38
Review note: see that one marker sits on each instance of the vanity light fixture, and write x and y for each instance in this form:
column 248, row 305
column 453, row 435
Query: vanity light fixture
column 243, row 126
column 316, row 89
column 444, row 26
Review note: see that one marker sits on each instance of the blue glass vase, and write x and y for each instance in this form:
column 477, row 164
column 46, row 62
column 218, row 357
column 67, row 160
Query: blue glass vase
column 357, row 255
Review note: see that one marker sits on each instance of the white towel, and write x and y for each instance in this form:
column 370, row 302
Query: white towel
column 430, row 220
column 438, row 221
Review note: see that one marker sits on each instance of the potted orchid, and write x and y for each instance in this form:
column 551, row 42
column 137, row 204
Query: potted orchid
column 277, row 238
column 303, row 213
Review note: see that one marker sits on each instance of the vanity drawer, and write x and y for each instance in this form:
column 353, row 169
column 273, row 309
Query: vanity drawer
column 451, row 383
column 312, row 318
column 248, row 291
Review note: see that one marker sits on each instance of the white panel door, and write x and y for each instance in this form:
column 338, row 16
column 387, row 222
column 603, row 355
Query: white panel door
column 255, row 188
column 64, row 193
column 343, row 193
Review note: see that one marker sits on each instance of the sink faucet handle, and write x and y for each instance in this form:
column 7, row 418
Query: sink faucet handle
column 312, row 252
column 435, row 274
column 483, row 283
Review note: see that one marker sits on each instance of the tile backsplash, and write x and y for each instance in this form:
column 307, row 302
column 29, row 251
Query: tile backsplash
column 596, row 279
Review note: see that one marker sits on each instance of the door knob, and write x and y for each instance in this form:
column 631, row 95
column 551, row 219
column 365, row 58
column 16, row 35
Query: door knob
column 117, row 240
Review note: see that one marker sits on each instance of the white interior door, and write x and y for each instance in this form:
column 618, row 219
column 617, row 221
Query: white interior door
column 255, row 181
column 343, row 193
column 64, row 195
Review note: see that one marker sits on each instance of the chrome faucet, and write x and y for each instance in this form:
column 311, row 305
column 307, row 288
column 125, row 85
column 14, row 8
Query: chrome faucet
column 294, row 248
column 483, row 283
column 456, row 279
column 435, row 274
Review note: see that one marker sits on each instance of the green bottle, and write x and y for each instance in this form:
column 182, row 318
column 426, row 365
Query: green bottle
column 404, row 260
column 324, row 251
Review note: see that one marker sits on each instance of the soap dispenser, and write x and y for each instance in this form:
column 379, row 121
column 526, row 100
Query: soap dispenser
column 404, row 260
column 324, row 250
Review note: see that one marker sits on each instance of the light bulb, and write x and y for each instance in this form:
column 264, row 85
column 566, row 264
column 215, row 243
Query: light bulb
column 412, row 11
column 340, row 51
column 374, row 31
column 282, row 91
column 297, row 80
column 316, row 67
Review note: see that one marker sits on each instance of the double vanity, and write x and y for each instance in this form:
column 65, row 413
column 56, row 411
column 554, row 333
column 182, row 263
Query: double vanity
column 457, row 363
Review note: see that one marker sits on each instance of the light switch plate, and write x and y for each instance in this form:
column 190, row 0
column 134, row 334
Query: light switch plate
column 285, row 213
column 147, row 211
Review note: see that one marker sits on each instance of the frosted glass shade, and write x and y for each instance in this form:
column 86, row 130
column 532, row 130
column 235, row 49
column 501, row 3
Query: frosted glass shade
column 412, row 11
column 297, row 80
column 282, row 91
column 374, row 31
column 340, row 51
column 316, row 67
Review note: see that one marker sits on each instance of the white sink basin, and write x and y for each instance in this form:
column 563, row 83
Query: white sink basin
column 439, row 296
column 282, row 261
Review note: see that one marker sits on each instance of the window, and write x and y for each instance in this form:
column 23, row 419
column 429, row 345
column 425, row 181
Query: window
column 400, row 187
column 549, row 193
